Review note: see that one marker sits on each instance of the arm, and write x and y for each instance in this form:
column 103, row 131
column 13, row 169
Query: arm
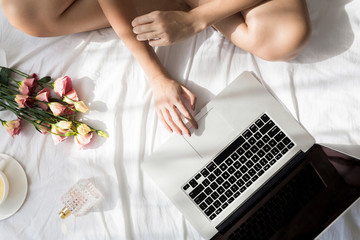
column 164, row 28
column 167, row 92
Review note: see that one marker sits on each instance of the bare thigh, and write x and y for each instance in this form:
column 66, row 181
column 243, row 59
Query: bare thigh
column 46, row 18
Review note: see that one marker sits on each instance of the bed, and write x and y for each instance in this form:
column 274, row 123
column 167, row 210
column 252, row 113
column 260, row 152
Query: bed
column 320, row 88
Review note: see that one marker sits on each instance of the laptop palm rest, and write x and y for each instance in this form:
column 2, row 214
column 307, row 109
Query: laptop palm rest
column 214, row 138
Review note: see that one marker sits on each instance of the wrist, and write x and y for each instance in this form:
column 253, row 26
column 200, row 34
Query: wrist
column 199, row 20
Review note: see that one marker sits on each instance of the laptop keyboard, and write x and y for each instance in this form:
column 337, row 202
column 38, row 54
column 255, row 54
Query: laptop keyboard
column 237, row 167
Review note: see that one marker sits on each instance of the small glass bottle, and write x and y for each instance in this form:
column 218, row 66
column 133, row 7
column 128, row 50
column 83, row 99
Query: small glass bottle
column 80, row 199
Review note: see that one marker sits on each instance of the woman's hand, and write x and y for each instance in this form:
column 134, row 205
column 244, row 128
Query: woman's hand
column 168, row 99
column 162, row 28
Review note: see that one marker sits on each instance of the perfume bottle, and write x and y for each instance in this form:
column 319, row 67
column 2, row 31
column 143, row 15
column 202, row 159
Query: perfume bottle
column 80, row 199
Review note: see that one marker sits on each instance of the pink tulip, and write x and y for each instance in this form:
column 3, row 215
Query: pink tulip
column 81, row 140
column 24, row 101
column 28, row 85
column 57, row 108
column 43, row 96
column 62, row 86
column 12, row 127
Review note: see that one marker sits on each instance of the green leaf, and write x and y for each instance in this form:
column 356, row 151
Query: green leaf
column 45, row 79
column 4, row 75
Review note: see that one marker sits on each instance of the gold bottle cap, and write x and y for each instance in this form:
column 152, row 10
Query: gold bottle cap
column 64, row 213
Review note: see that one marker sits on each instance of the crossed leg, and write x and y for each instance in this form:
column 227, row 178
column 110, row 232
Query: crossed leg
column 272, row 30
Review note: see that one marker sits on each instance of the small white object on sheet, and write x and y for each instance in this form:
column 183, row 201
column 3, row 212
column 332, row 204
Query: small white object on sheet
column 320, row 88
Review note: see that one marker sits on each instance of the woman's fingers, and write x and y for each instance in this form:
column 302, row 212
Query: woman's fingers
column 144, row 19
column 162, row 120
column 190, row 96
column 185, row 112
column 169, row 117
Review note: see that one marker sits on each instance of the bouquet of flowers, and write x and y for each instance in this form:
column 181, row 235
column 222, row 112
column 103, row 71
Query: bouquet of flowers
column 30, row 99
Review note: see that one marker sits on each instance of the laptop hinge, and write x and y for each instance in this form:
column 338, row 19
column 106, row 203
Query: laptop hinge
column 261, row 193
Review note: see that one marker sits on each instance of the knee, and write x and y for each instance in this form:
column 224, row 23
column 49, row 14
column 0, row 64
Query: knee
column 24, row 16
column 285, row 42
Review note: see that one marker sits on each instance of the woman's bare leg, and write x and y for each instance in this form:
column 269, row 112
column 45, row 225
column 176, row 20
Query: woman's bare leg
column 272, row 30
column 54, row 17
column 48, row 18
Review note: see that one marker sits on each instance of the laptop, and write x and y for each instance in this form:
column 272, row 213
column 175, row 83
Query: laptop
column 247, row 149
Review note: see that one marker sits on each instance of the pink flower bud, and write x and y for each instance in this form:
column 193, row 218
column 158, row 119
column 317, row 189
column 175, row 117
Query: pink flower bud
column 58, row 134
column 83, row 129
column 65, row 125
column 62, row 86
column 81, row 140
column 57, row 108
column 71, row 97
column 13, row 127
column 24, row 101
column 43, row 96
column 28, row 85
column 81, row 107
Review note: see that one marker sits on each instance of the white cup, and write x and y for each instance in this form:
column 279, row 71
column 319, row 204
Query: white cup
column 4, row 187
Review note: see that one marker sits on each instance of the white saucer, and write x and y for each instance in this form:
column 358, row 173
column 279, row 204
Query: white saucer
column 18, row 186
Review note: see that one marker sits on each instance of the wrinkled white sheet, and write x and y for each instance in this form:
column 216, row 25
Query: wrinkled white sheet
column 320, row 88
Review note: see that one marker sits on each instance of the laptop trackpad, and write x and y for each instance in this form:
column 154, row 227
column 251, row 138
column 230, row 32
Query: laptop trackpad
column 212, row 134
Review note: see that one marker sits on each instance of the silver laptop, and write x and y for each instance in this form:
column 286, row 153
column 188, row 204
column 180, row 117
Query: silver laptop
column 245, row 138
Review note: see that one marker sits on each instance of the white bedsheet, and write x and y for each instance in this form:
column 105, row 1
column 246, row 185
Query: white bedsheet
column 320, row 88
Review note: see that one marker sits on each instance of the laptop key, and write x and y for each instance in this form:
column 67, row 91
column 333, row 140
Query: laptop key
column 204, row 172
column 259, row 123
column 225, row 175
column 196, row 191
column 267, row 127
column 186, row 187
column 232, row 179
column 206, row 182
column 279, row 136
column 217, row 203
column 200, row 198
column 203, row 206
column 247, row 134
column 193, row 183
column 224, row 205
column 234, row 156
column 286, row 140
column 223, row 198
column 229, row 161
column 211, row 166
column 212, row 177
column 228, row 193
column 208, row 191
column 273, row 131
column 265, row 117
column 214, row 195
column 212, row 216
column 209, row 200
column 217, row 172
column 253, row 128
column 209, row 210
